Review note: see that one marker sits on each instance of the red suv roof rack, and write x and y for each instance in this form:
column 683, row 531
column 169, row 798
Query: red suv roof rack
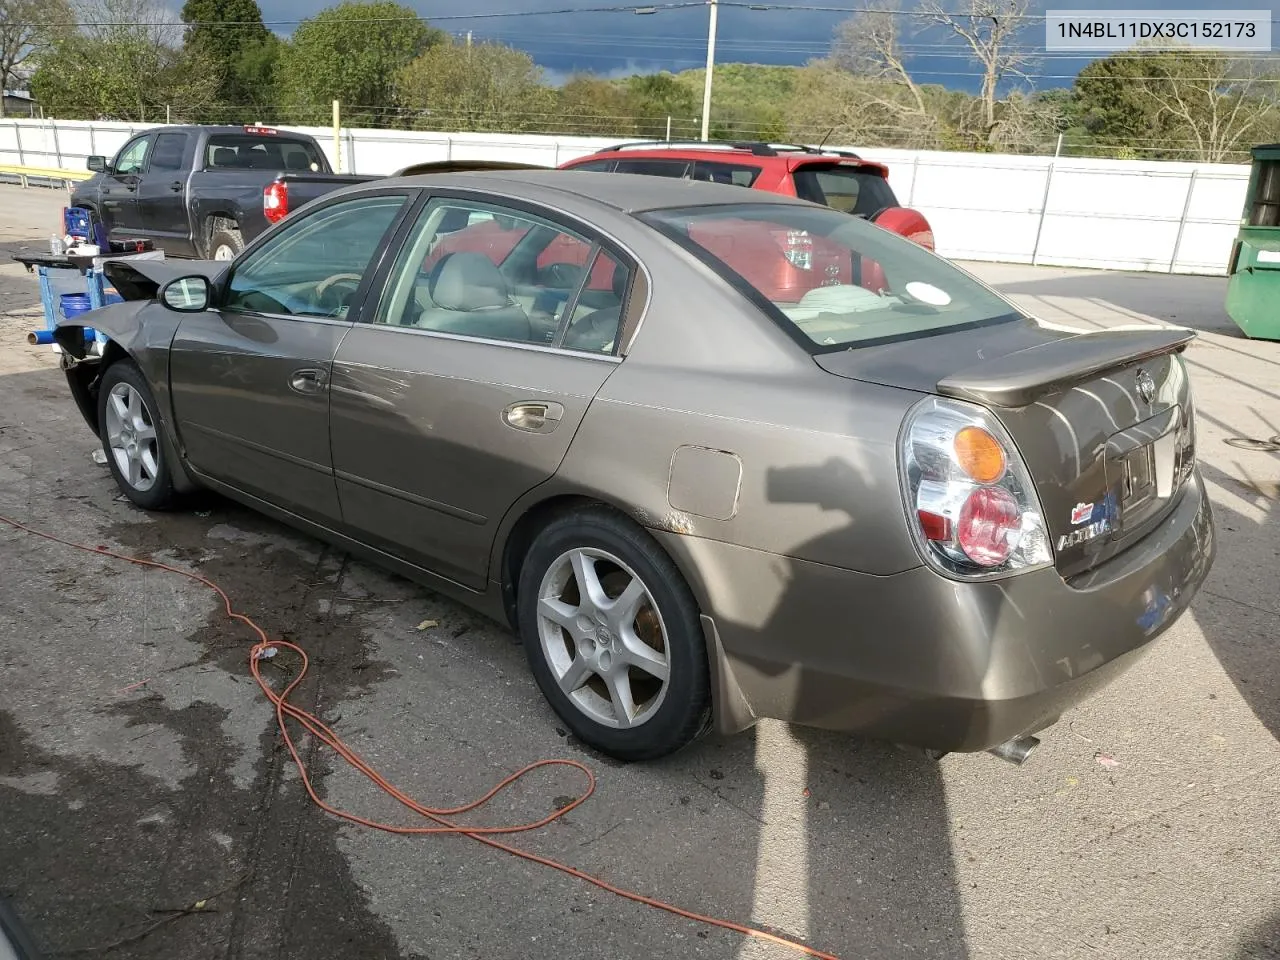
column 757, row 148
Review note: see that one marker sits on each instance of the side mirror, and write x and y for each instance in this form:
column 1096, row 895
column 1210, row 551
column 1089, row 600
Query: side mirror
column 96, row 163
column 187, row 294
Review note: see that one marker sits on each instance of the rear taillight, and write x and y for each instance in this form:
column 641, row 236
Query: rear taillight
column 275, row 201
column 924, row 238
column 971, row 504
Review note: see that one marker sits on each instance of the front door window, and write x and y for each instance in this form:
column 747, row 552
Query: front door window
column 314, row 266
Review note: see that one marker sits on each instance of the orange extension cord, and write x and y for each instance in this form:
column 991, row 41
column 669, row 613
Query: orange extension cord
column 438, row 816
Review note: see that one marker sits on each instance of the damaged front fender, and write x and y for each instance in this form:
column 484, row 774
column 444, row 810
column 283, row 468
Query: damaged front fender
column 140, row 330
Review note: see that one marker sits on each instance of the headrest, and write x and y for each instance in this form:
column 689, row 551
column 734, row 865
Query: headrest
column 297, row 160
column 467, row 281
column 620, row 277
column 224, row 156
column 454, row 219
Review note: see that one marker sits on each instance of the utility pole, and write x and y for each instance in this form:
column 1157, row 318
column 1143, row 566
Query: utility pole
column 711, row 63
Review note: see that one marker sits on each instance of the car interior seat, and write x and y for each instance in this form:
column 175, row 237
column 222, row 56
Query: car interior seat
column 468, row 295
column 224, row 156
column 595, row 332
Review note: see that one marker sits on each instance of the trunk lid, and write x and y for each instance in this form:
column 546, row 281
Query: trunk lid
column 1103, row 419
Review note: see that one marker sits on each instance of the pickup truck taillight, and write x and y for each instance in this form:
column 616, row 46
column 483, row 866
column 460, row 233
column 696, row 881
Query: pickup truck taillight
column 275, row 201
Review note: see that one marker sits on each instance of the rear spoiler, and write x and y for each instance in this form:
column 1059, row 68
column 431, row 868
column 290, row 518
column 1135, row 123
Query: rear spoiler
column 1019, row 378
column 465, row 166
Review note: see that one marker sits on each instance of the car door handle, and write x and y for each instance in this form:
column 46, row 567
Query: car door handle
column 176, row 186
column 307, row 380
column 533, row 416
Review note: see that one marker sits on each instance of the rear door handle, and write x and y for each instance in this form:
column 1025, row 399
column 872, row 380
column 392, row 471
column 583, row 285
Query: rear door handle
column 176, row 186
column 308, row 380
column 533, row 416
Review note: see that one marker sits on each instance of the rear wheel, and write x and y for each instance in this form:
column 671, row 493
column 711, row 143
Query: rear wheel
column 226, row 242
column 613, row 636
column 133, row 437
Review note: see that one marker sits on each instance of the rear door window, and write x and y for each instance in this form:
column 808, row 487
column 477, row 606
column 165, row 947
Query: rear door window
column 168, row 151
column 245, row 151
column 737, row 174
column 654, row 168
column 849, row 189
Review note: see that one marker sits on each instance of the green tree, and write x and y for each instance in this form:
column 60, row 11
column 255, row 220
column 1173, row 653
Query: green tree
column 747, row 99
column 27, row 29
column 125, row 64
column 656, row 97
column 588, row 105
column 352, row 52
column 485, row 87
column 1176, row 104
column 232, row 35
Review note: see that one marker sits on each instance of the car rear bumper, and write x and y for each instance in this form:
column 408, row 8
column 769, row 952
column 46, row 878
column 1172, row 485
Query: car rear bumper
column 919, row 659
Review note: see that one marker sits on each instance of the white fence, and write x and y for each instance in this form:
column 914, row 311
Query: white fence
column 1107, row 214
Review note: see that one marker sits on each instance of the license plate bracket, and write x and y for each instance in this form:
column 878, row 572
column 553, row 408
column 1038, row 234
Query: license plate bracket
column 1141, row 469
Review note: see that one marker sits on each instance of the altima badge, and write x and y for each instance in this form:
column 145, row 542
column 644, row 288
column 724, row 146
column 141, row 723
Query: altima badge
column 1146, row 387
column 1079, row 536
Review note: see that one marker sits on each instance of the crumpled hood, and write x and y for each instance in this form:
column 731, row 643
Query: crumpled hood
column 142, row 279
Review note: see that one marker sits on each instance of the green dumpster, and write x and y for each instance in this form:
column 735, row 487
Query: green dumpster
column 1253, row 287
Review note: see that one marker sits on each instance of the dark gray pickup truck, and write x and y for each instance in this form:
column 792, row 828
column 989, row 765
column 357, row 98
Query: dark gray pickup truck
column 205, row 191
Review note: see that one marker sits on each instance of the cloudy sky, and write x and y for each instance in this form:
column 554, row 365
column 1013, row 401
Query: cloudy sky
column 620, row 43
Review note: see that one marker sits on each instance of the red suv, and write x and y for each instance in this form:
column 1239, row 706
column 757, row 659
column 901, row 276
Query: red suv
column 835, row 178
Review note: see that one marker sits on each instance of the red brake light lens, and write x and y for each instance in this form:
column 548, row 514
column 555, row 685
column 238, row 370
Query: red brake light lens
column 989, row 526
column 275, row 201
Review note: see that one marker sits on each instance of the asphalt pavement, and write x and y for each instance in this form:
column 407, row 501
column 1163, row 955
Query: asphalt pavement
column 141, row 772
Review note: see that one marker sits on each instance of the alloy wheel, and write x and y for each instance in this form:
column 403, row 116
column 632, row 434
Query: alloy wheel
column 603, row 637
column 131, row 436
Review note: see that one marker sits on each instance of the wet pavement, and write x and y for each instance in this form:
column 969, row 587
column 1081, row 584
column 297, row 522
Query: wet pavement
column 141, row 771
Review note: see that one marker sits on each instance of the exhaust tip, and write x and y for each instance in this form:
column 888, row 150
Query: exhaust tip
column 1016, row 751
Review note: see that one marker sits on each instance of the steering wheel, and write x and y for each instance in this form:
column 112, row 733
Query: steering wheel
column 328, row 283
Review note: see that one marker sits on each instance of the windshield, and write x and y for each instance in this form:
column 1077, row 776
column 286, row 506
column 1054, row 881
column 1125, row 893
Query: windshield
column 832, row 280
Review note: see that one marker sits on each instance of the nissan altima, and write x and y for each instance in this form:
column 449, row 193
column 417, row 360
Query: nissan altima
column 714, row 457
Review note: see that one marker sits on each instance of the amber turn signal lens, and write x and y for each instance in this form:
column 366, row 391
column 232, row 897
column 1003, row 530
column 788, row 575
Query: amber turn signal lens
column 979, row 455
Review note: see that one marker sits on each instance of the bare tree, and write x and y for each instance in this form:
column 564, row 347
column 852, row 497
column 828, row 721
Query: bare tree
column 991, row 29
column 869, row 47
column 1213, row 101
column 27, row 27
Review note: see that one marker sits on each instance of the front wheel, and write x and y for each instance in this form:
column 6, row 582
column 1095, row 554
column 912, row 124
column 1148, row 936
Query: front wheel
column 613, row 636
column 133, row 437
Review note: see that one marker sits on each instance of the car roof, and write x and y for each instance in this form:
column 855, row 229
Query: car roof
column 624, row 192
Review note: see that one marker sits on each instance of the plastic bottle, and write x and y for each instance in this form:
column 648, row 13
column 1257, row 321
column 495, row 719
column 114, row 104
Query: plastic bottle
column 55, row 245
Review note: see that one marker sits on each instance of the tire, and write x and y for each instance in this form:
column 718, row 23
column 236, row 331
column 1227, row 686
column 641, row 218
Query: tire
column 597, row 652
column 225, row 240
column 133, row 437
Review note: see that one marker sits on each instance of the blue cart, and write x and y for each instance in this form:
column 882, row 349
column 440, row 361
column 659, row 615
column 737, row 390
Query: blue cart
column 71, row 285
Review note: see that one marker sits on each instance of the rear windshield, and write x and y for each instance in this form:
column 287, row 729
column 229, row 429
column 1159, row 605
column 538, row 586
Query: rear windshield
column 833, row 281
column 845, row 188
column 246, row 151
